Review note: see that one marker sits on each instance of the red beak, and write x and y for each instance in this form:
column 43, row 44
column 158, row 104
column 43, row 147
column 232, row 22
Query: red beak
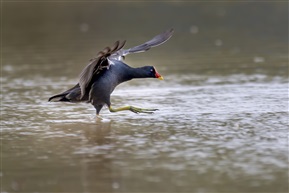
column 158, row 75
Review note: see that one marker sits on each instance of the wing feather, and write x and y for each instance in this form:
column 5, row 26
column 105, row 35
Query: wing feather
column 102, row 61
column 95, row 66
column 156, row 41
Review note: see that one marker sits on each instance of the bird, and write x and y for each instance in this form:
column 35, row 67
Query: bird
column 103, row 73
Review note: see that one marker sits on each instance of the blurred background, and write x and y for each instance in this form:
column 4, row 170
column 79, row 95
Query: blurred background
column 223, row 119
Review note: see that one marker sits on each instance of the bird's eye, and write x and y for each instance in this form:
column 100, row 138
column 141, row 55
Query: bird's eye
column 152, row 70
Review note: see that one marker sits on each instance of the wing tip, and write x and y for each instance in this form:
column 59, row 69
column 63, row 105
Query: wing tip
column 170, row 31
column 168, row 34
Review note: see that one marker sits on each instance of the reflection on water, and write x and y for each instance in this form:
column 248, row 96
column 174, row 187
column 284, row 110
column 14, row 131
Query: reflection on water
column 223, row 114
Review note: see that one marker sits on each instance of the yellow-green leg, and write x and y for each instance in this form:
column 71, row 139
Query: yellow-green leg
column 132, row 109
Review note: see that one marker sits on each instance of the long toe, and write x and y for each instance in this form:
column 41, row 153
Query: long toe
column 140, row 110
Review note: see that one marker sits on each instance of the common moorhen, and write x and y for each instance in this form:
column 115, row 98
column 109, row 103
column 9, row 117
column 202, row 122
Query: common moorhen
column 99, row 78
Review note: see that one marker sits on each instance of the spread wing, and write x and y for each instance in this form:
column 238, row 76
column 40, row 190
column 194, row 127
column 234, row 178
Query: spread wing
column 105, row 57
column 96, row 65
column 156, row 41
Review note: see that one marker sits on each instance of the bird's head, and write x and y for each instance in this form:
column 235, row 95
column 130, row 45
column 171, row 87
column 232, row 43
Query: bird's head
column 152, row 72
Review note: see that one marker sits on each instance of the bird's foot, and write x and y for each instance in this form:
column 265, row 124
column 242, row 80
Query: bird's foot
column 98, row 118
column 132, row 109
column 141, row 110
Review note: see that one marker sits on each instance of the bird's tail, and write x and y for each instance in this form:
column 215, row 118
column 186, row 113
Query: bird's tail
column 59, row 98
column 71, row 95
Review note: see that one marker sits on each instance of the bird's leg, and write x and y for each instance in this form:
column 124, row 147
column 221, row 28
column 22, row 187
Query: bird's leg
column 98, row 108
column 132, row 109
column 98, row 117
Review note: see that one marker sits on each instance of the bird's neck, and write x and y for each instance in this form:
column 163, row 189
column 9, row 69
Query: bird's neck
column 137, row 73
column 126, row 72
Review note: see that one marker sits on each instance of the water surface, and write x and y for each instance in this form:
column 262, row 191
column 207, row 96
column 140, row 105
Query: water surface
column 222, row 123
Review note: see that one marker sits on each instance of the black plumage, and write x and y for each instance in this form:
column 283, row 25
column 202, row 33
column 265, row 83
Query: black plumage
column 100, row 77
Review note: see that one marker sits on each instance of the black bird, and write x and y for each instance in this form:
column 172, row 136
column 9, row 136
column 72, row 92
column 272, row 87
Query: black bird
column 100, row 77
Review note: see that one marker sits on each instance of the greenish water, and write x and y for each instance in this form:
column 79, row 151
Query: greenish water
column 222, row 124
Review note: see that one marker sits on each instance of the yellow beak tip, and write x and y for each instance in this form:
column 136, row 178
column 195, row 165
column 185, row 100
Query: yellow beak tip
column 161, row 78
